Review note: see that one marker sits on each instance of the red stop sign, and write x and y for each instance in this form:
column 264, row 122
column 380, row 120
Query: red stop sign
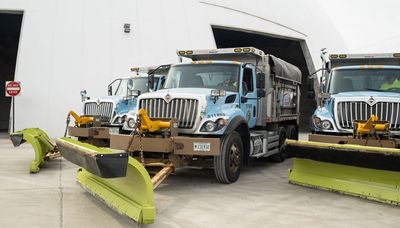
column 12, row 88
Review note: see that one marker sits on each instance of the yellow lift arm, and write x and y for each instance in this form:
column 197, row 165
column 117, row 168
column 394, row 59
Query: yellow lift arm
column 79, row 120
column 151, row 125
column 370, row 127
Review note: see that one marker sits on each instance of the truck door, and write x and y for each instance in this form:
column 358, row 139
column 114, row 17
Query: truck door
column 248, row 95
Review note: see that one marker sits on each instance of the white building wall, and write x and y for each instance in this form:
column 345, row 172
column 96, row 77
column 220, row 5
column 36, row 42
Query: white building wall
column 67, row 46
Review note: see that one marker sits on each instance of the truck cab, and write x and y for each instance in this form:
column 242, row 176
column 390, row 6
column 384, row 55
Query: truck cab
column 351, row 90
column 222, row 89
column 122, row 97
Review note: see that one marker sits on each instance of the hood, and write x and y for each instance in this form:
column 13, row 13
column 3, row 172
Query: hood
column 120, row 104
column 366, row 94
column 107, row 98
column 204, row 93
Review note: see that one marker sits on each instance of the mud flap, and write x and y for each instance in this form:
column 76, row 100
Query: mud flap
column 367, row 172
column 40, row 142
column 125, row 186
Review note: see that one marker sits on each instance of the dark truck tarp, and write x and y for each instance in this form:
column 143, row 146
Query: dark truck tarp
column 284, row 70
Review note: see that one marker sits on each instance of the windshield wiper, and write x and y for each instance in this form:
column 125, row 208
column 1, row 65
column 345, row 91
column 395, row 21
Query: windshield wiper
column 393, row 89
column 379, row 90
column 386, row 90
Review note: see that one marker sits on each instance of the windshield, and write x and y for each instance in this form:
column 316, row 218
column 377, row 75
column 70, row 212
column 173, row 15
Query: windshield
column 138, row 84
column 364, row 79
column 213, row 76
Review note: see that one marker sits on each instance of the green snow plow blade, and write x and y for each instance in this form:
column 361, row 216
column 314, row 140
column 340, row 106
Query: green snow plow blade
column 125, row 184
column 39, row 140
column 368, row 172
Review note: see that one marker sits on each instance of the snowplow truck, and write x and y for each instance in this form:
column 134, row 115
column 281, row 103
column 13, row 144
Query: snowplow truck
column 218, row 110
column 109, row 113
column 355, row 147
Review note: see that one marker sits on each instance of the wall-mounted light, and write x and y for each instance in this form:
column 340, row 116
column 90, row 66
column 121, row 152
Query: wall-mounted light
column 127, row 28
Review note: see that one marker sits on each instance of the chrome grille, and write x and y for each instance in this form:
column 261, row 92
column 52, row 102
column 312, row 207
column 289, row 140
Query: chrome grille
column 103, row 109
column 185, row 110
column 359, row 110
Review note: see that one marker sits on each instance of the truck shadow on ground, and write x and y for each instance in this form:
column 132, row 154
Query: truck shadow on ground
column 204, row 177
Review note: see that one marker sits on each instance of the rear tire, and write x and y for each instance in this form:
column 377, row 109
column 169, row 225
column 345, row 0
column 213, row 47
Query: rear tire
column 292, row 132
column 228, row 164
column 280, row 156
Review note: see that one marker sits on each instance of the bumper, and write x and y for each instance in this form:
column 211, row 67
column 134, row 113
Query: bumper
column 179, row 145
column 92, row 132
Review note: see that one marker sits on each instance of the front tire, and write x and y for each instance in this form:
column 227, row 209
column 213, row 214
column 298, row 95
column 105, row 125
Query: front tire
column 228, row 164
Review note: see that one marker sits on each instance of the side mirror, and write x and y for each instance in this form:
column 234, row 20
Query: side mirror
column 84, row 96
column 260, row 77
column 261, row 93
column 310, row 88
column 110, row 91
column 130, row 85
column 150, row 82
column 310, row 94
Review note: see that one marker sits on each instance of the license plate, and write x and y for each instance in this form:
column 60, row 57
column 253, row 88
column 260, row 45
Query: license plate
column 113, row 130
column 199, row 146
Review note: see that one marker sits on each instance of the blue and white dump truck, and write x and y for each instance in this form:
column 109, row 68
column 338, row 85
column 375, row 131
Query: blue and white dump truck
column 122, row 96
column 354, row 87
column 355, row 148
column 231, row 105
column 110, row 112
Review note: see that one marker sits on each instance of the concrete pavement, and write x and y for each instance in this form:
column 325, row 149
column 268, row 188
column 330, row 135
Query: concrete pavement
column 190, row 198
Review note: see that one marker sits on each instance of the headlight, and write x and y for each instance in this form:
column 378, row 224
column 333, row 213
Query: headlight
column 131, row 123
column 326, row 125
column 317, row 121
column 121, row 120
column 210, row 126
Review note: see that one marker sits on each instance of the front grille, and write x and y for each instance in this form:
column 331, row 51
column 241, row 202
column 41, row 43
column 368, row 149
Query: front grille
column 185, row 110
column 102, row 109
column 349, row 111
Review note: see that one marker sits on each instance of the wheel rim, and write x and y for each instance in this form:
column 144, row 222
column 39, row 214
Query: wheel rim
column 234, row 158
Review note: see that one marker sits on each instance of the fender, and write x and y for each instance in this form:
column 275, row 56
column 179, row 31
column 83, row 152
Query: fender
column 235, row 123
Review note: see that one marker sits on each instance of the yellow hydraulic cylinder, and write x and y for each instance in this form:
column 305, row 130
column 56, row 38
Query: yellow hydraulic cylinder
column 80, row 119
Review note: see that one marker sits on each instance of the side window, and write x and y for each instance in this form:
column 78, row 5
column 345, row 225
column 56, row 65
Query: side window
column 247, row 83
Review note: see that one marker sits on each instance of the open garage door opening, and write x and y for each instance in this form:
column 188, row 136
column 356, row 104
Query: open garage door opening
column 286, row 49
column 10, row 29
